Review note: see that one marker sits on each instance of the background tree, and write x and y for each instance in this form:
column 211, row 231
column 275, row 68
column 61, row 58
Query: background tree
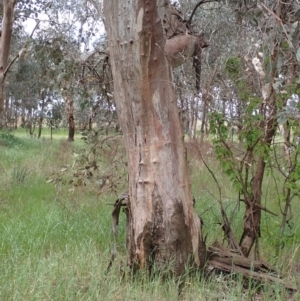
column 258, row 79
column 7, row 9
column 13, row 13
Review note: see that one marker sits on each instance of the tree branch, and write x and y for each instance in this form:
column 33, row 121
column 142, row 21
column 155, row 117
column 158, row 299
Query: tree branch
column 35, row 27
column 189, row 22
column 281, row 23
column 21, row 51
column 11, row 63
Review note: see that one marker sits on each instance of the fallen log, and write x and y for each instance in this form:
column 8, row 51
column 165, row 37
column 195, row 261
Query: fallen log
column 230, row 261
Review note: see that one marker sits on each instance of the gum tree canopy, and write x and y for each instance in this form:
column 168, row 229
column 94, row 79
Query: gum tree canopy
column 162, row 224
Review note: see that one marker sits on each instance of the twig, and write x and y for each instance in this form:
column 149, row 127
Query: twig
column 119, row 203
column 195, row 8
column 281, row 23
column 35, row 27
column 265, row 209
column 10, row 64
column 226, row 227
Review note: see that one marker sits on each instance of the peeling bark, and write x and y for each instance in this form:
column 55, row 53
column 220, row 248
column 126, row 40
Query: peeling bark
column 162, row 224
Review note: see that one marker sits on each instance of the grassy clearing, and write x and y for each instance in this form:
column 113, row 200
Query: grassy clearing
column 46, row 133
column 55, row 241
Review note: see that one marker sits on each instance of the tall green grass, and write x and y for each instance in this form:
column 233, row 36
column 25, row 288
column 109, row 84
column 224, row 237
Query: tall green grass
column 55, row 241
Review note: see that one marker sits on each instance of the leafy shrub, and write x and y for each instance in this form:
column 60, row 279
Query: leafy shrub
column 8, row 139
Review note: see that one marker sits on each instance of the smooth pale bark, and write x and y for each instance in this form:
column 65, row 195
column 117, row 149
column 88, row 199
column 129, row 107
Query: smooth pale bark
column 162, row 224
column 6, row 34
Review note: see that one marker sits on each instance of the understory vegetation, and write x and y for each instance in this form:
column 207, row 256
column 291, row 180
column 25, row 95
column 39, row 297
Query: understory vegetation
column 56, row 234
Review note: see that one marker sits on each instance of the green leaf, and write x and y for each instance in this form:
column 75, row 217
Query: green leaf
column 61, row 76
column 282, row 120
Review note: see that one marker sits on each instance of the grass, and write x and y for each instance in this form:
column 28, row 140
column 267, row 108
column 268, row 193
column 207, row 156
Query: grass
column 55, row 241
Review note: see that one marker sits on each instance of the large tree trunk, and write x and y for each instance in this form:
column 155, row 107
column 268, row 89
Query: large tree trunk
column 163, row 226
column 5, row 38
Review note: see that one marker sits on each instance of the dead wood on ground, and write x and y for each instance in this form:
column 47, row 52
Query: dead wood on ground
column 219, row 258
column 225, row 260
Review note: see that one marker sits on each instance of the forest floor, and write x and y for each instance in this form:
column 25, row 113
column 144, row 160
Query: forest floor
column 56, row 237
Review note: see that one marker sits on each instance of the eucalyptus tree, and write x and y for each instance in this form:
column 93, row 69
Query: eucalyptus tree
column 249, row 75
column 70, row 34
column 162, row 223
column 7, row 7
column 259, row 76
column 13, row 13
column 23, row 91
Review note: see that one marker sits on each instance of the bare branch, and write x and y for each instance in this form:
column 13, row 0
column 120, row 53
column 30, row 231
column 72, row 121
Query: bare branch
column 281, row 23
column 35, row 27
column 10, row 64
column 18, row 55
column 189, row 22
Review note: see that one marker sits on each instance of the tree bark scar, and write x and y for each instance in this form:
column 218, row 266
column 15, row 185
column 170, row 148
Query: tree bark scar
column 145, row 246
column 157, row 226
column 179, row 238
column 151, row 241
column 139, row 20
